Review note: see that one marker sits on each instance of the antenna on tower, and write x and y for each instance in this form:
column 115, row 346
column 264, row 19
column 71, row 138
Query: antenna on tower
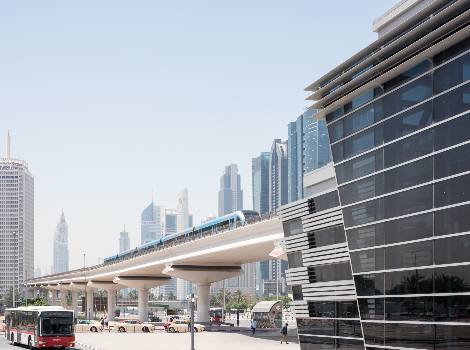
column 8, row 144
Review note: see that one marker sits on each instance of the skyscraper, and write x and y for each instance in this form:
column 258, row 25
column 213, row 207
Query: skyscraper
column 61, row 246
column 182, row 208
column 308, row 149
column 230, row 193
column 16, row 222
column 278, row 175
column 124, row 242
column 150, row 227
column 170, row 221
column 260, row 182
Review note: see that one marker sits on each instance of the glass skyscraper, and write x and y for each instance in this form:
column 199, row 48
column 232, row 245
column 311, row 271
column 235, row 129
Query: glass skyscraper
column 398, row 116
column 260, row 182
column 308, row 149
column 230, row 193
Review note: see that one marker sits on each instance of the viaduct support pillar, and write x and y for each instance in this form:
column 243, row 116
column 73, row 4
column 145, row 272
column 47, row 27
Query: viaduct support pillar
column 203, row 302
column 143, row 302
column 75, row 302
column 90, row 310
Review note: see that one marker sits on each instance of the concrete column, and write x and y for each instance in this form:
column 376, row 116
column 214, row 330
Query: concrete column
column 203, row 302
column 75, row 302
column 143, row 304
column 90, row 308
column 111, row 303
column 63, row 298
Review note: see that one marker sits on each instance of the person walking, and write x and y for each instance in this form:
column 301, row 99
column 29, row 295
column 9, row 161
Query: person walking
column 284, row 333
column 253, row 326
column 102, row 323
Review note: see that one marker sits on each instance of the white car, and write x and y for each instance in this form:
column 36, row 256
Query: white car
column 87, row 325
column 183, row 326
column 133, row 326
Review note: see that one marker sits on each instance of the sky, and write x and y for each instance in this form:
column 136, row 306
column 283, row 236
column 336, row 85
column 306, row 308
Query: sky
column 110, row 100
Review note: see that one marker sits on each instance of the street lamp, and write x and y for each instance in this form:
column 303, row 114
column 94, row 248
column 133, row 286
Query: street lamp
column 192, row 299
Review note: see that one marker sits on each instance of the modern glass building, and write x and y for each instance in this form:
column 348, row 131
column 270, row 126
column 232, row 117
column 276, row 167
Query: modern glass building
column 230, row 193
column 278, row 179
column 260, row 182
column 308, row 149
column 398, row 115
column 150, row 223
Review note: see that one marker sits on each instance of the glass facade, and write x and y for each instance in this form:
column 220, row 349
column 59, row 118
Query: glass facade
column 308, row 149
column 260, row 182
column 403, row 160
column 401, row 150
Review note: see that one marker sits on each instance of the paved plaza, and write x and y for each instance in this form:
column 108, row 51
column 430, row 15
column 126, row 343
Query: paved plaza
column 180, row 341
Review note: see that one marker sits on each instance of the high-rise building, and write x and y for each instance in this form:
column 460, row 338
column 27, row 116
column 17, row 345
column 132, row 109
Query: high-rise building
column 230, row 193
column 278, row 180
column 260, row 182
column 124, row 241
column 398, row 117
column 61, row 246
column 16, row 222
column 182, row 208
column 308, row 149
column 150, row 224
column 170, row 221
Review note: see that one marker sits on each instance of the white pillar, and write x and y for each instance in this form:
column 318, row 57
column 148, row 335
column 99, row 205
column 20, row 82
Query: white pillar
column 111, row 303
column 89, row 304
column 203, row 302
column 75, row 302
column 63, row 298
column 143, row 304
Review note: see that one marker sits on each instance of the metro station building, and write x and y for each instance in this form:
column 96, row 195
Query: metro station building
column 398, row 116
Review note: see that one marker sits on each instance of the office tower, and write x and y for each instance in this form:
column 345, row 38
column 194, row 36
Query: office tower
column 398, row 117
column 278, row 182
column 150, row 223
column 246, row 282
column 230, row 193
column 124, row 241
column 183, row 210
column 308, row 149
column 260, row 182
column 16, row 222
column 183, row 288
column 170, row 221
column 61, row 246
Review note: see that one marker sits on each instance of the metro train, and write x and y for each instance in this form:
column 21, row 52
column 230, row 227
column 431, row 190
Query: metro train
column 229, row 221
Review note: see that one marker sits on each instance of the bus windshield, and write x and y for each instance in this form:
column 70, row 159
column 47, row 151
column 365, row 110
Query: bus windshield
column 56, row 323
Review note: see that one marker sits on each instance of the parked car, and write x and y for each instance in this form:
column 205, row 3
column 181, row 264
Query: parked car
column 133, row 326
column 87, row 325
column 182, row 327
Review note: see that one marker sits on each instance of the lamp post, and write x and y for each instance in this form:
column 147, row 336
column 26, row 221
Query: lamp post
column 192, row 300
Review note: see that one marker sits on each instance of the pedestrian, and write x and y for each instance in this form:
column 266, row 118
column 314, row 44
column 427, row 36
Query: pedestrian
column 284, row 333
column 253, row 326
column 189, row 325
column 102, row 323
column 106, row 321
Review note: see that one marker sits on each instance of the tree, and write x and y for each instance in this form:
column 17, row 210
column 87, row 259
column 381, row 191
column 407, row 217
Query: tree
column 8, row 298
column 132, row 294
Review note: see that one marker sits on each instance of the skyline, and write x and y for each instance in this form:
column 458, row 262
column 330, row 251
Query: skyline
column 78, row 168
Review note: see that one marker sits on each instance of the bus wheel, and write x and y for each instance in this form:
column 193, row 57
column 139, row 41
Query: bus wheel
column 94, row 329
column 121, row 329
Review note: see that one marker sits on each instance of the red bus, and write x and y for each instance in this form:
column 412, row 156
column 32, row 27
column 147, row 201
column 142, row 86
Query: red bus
column 40, row 326
column 215, row 314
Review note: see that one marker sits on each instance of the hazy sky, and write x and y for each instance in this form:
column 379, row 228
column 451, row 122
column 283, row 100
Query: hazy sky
column 107, row 100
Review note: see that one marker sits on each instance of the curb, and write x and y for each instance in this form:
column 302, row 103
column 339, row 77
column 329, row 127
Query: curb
column 86, row 346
